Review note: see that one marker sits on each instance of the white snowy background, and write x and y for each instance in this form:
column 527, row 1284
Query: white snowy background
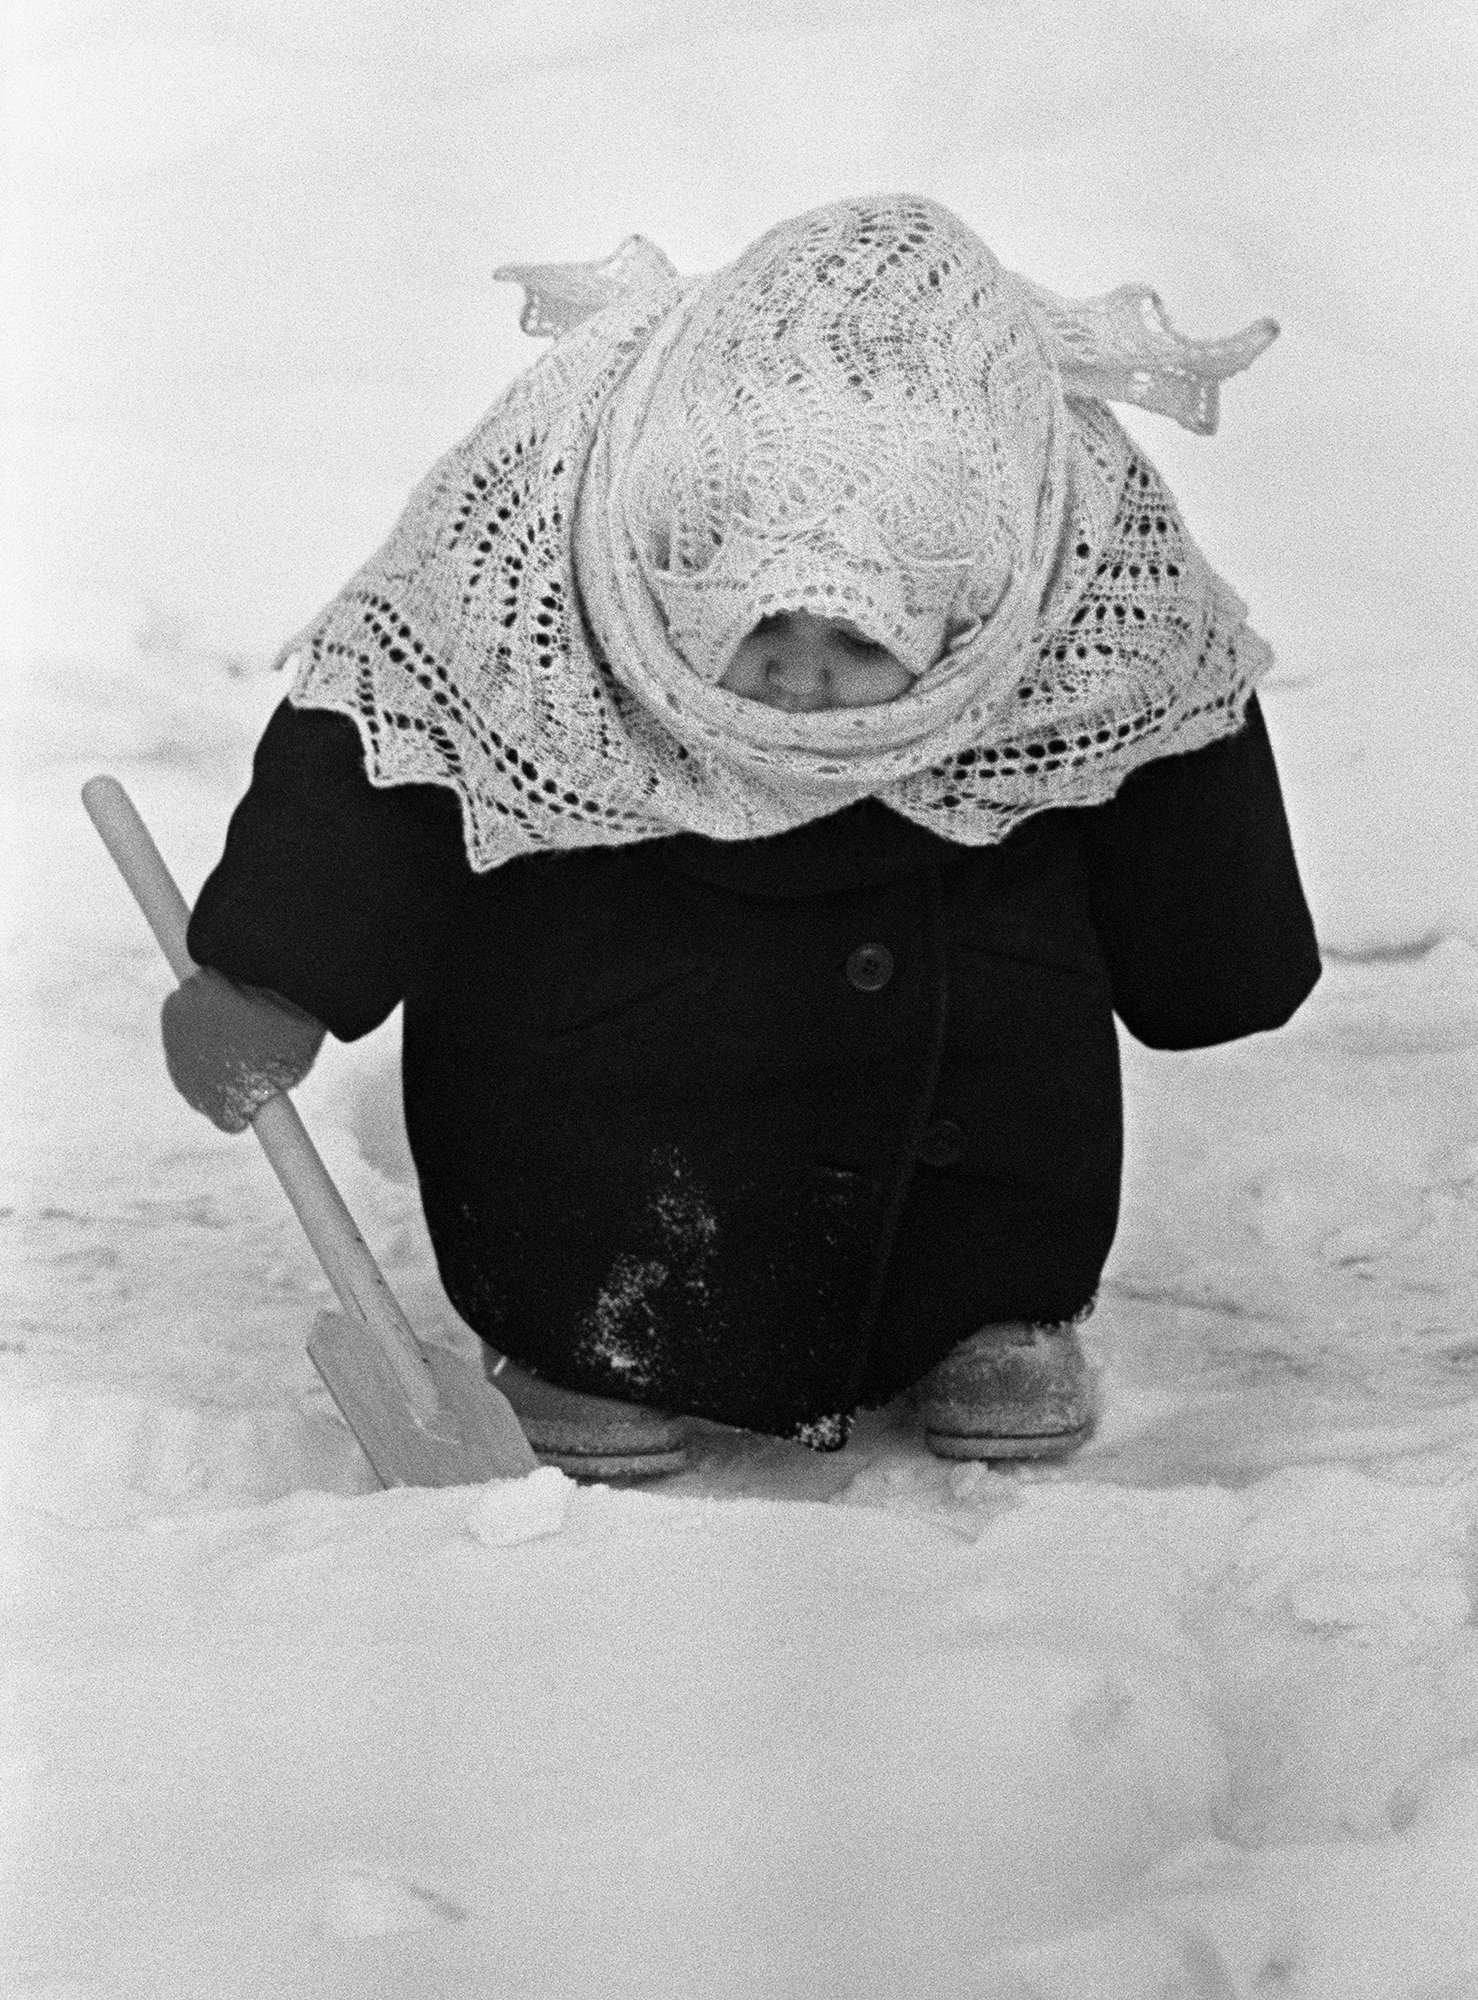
column 1195, row 1715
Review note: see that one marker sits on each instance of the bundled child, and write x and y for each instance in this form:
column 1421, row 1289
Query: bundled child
column 763, row 760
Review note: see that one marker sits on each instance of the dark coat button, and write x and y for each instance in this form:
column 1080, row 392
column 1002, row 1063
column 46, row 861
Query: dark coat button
column 870, row 967
column 942, row 1144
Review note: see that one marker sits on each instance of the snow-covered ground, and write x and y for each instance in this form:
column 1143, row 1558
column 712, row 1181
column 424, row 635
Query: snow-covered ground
column 1194, row 1715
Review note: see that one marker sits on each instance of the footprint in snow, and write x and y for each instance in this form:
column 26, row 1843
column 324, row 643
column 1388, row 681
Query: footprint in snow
column 362, row 1903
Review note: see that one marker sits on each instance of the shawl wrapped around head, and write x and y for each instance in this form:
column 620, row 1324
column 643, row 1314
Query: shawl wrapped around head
column 865, row 416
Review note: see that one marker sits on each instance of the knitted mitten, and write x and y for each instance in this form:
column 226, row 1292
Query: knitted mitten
column 229, row 1048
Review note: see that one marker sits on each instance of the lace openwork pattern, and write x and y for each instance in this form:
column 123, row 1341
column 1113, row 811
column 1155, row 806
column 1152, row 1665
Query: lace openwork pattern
column 857, row 419
column 489, row 645
column 1155, row 657
column 457, row 648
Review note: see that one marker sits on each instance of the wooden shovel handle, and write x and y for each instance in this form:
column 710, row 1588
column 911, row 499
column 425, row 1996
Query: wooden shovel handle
column 330, row 1228
column 142, row 867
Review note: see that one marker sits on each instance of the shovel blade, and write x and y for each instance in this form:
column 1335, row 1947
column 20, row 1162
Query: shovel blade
column 490, row 1430
column 474, row 1435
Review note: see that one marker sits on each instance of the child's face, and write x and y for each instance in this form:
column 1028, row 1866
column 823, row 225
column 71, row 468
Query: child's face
column 797, row 662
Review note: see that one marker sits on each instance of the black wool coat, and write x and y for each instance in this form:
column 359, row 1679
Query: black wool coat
column 758, row 1130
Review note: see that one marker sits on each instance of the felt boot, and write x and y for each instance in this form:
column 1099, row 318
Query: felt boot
column 1010, row 1391
column 590, row 1437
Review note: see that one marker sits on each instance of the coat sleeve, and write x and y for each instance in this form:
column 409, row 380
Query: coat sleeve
column 1195, row 894
column 332, row 891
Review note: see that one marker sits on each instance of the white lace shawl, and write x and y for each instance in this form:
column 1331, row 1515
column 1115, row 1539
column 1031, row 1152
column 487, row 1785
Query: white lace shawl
column 865, row 413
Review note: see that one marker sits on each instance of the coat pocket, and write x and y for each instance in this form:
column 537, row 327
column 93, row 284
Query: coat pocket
column 1071, row 949
column 607, row 1003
